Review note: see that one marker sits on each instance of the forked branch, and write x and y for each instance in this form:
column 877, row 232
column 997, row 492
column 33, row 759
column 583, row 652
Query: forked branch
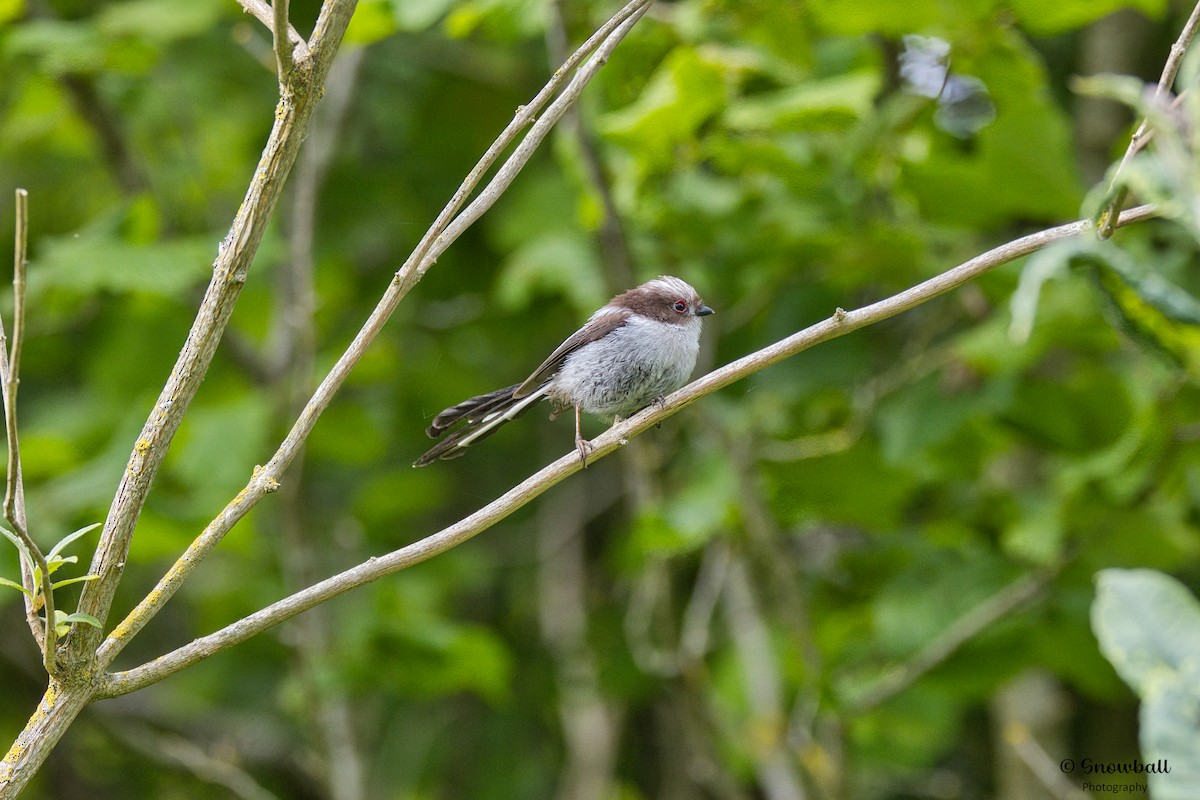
column 448, row 226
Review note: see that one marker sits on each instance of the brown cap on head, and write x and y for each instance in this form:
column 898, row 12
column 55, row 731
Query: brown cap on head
column 666, row 299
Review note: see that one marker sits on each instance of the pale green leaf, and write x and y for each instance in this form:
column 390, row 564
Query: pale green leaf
column 70, row 537
column 17, row 586
column 69, row 581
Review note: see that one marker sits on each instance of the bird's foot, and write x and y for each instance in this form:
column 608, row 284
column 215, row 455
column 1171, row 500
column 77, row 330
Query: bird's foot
column 583, row 446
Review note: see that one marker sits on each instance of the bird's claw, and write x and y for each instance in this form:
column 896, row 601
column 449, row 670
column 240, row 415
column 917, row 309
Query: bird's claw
column 583, row 446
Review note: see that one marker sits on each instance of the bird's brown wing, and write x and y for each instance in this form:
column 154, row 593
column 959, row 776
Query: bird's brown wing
column 597, row 327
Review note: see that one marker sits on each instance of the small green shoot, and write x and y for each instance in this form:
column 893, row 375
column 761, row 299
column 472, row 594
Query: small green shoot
column 54, row 560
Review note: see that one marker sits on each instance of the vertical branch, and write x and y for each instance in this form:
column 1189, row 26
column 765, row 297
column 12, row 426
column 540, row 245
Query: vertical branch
column 14, row 494
column 13, row 379
column 283, row 43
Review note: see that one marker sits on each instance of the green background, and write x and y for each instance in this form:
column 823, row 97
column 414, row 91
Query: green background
column 736, row 595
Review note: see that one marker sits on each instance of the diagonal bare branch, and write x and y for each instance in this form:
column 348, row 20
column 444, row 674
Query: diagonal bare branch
column 841, row 323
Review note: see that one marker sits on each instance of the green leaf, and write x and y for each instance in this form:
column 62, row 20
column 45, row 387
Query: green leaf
column 63, row 621
column 11, row 9
column 1151, row 308
column 53, row 564
column 12, row 537
column 69, row 581
column 876, row 17
column 558, row 261
column 17, row 586
column 1148, row 626
column 70, row 537
column 58, row 46
column 1021, row 165
column 418, row 15
column 98, row 259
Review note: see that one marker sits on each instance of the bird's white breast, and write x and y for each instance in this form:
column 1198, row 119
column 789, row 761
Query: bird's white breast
column 628, row 368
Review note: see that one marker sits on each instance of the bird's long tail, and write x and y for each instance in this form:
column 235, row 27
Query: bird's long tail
column 480, row 417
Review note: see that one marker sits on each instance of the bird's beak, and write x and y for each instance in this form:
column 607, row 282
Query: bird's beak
column 703, row 311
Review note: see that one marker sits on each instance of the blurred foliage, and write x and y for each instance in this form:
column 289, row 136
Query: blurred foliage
column 881, row 492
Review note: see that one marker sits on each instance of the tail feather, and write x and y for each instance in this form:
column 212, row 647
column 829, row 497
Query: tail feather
column 480, row 417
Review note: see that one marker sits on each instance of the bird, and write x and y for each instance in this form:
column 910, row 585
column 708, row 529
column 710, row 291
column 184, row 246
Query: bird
column 635, row 350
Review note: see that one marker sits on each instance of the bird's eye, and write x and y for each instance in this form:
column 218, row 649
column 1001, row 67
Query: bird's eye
column 679, row 306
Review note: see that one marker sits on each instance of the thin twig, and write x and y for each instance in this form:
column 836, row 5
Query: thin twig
column 266, row 15
column 1165, row 82
column 14, row 493
column 13, row 379
column 282, row 42
column 445, row 230
column 31, row 609
column 841, row 323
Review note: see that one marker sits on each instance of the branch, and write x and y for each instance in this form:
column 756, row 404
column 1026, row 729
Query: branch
column 14, row 488
column 266, row 15
column 1170, row 69
column 444, row 231
column 841, row 323
column 279, row 35
column 12, row 379
column 963, row 629
column 233, row 261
